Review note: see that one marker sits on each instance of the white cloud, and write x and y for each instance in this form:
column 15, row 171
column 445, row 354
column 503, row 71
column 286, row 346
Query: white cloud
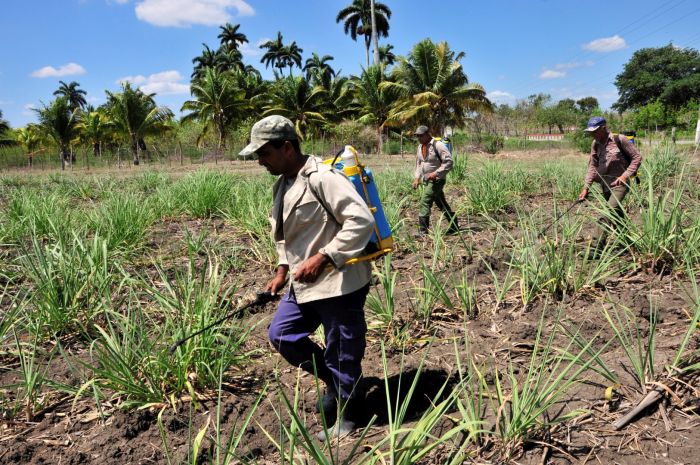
column 606, row 44
column 552, row 74
column 29, row 109
column 249, row 50
column 163, row 83
column 575, row 64
column 500, row 96
column 70, row 69
column 184, row 13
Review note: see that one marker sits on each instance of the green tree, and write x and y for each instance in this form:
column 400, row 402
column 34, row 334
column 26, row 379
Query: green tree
column 59, row 121
column 217, row 102
column 135, row 116
column 291, row 55
column 296, row 99
column 75, row 96
column 230, row 38
column 433, row 88
column 651, row 115
column 280, row 55
column 668, row 74
column 587, row 105
column 357, row 20
column 386, row 56
column 318, row 71
column 5, row 139
column 371, row 101
column 94, row 126
column 30, row 139
column 207, row 59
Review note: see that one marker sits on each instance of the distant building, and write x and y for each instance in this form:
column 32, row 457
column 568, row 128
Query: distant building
column 554, row 137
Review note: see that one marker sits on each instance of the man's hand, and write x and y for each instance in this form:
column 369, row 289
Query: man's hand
column 621, row 181
column 431, row 176
column 582, row 196
column 311, row 268
column 279, row 280
column 416, row 183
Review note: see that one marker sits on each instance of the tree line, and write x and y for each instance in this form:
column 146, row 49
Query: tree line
column 428, row 85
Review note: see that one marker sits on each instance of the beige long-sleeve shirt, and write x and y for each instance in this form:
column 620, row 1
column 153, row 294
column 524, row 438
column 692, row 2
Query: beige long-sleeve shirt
column 607, row 163
column 339, row 228
column 430, row 163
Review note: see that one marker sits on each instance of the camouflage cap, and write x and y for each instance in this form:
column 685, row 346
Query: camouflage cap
column 273, row 127
column 420, row 130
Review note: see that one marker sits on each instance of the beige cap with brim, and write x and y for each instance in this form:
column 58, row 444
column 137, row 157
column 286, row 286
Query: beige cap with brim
column 273, row 127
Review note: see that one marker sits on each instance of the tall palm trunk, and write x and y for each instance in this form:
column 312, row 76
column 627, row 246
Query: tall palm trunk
column 64, row 154
column 135, row 149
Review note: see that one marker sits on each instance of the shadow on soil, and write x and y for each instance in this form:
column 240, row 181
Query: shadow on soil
column 374, row 401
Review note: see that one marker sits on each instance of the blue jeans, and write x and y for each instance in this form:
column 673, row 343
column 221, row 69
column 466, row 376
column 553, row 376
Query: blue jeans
column 343, row 320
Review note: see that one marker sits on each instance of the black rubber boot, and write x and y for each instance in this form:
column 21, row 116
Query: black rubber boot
column 344, row 425
column 454, row 224
column 423, row 225
column 328, row 403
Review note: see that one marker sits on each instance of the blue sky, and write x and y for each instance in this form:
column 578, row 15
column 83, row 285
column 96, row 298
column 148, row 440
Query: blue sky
column 514, row 48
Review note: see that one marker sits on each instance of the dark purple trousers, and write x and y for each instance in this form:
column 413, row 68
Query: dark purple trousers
column 343, row 320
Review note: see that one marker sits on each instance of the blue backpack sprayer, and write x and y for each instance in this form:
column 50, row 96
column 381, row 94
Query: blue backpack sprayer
column 361, row 177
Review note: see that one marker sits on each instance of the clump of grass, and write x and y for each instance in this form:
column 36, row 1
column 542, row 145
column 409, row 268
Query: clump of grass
column 71, row 282
column 522, row 398
column 383, row 306
column 131, row 358
column 667, row 233
column 204, row 193
column 250, row 209
column 639, row 349
column 46, row 216
column 486, row 191
column 122, row 221
column 32, row 378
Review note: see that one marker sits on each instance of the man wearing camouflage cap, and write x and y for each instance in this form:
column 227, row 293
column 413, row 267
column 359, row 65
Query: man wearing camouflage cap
column 319, row 222
column 433, row 162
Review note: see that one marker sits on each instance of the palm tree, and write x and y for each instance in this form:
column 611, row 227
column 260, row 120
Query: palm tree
column 29, row 138
column 292, row 56
column 60, row 122
column 318, row 71
column 433, row 88
column 230, row 38
column 135, row 115
column 295, row 98
column 275, row 52
column 386, row 56
column 338, row 99
column 5, row 139
column 75, row 96
column 228, row 60
column 357, row 20
column 281, row 56
column 207, row 59
column 218, row 103
column 371, row 100
column 94, row 128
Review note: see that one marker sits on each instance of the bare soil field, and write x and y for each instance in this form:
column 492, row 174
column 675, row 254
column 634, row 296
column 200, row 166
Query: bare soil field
column 487, row 344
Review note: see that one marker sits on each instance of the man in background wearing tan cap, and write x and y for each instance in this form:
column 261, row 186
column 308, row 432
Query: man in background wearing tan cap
column 319, row 222
column 433, row 162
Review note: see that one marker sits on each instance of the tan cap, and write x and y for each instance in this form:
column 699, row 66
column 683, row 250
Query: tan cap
column 273, row 127
column 420, row 130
